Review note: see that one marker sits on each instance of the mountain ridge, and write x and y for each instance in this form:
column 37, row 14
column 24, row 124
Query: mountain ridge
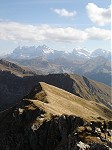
column 13, row 88
column 14, row 68
column 55, row 124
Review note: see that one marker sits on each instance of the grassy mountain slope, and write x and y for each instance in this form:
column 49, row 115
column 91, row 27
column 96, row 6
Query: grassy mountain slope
column 92, row 90
column 57, row 101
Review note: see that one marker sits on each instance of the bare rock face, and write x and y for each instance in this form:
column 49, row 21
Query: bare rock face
column 97, row 146
column 56, row 133
column 82, row 146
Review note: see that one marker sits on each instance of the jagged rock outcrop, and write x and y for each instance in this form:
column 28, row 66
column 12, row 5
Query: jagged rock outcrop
column 97, row 146
column 29, row 130
column 81, row 146
column 25, row 134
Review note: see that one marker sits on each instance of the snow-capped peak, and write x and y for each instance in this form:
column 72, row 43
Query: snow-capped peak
column 100, row 52
column 81, row 52
column 46, row 49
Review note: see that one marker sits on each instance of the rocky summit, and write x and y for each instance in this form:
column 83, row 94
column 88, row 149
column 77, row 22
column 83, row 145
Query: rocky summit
column 49, row 118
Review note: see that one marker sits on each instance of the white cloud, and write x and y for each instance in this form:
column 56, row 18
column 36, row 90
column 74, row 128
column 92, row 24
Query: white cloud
column 22, row 32
column 64, row 13
column 100, row 16
column 94, row 33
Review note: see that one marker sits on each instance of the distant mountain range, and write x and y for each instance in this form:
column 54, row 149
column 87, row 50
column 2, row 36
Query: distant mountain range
column 95, row 65
column 26, row 52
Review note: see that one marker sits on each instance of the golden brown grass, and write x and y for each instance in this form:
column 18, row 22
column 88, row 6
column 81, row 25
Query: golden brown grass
column 62, row 102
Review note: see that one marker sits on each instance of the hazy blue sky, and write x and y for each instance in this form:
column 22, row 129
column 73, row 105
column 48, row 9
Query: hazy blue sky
column 60, row 24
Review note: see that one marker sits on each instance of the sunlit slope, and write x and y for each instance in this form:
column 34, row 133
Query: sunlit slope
column 56, row 101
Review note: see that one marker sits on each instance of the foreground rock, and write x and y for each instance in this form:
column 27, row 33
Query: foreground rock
column 55, row 133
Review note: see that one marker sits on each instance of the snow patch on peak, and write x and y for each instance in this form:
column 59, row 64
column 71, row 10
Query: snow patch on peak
column 83, row 52
column 47, row 51
column 100, row 52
